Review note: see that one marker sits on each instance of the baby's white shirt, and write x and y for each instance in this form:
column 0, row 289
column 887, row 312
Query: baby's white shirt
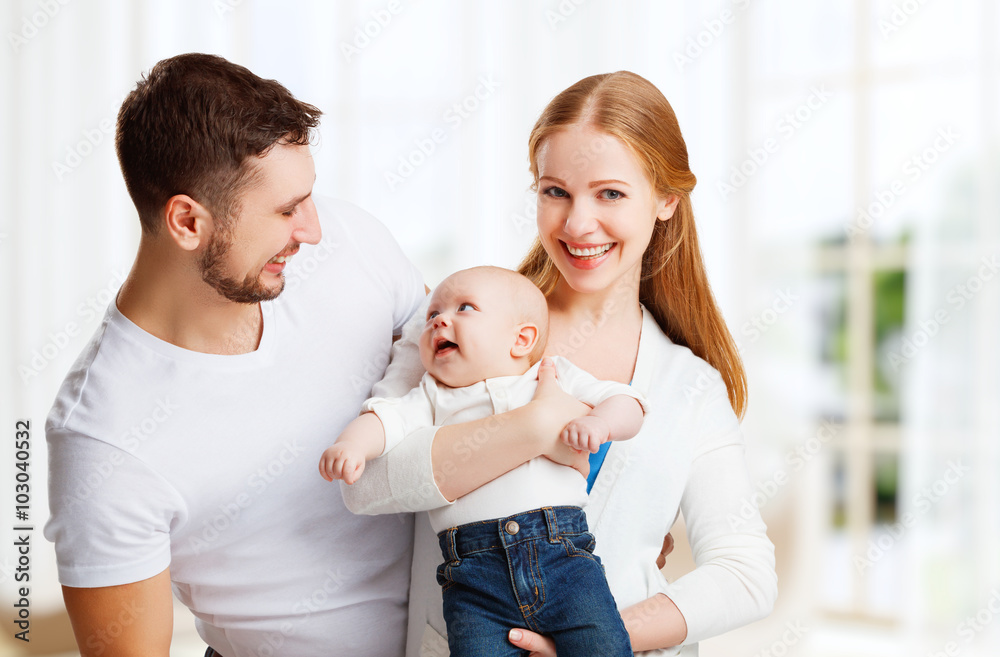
column 532, row 485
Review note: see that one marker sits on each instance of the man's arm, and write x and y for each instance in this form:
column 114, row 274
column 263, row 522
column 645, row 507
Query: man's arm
column 123, row 621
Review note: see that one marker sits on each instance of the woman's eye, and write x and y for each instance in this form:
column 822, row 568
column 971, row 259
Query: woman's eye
column 612, row 194
column 556, row 192
column 466, row 306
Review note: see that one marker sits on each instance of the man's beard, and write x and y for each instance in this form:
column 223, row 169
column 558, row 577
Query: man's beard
column 249, row 290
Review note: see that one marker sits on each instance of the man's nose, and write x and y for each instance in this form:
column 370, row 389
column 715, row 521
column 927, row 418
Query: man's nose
column 307, row 228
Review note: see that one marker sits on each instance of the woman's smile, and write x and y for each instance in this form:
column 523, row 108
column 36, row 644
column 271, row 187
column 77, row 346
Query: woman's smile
column 587, row 257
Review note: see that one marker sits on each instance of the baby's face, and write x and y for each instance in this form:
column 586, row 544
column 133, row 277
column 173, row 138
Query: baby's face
column 470, row 331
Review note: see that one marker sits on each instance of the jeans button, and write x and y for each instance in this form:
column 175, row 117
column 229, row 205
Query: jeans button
column 512, row 527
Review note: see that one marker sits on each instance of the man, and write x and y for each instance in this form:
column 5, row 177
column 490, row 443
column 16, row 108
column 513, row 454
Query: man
column 183, row 443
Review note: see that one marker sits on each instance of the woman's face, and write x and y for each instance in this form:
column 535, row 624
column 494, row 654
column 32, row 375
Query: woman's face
column 596, row 209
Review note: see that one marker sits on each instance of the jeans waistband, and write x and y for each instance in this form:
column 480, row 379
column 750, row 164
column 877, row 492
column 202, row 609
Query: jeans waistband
column 549, row 523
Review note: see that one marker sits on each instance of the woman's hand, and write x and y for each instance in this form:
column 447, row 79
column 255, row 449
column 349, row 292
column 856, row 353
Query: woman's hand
column 540, row 646
column 554, row 409
column 668, row 547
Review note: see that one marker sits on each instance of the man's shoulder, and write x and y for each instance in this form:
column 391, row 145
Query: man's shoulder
column 75, row 385
column 103, row 389
column 354, row 246
column 349, row 222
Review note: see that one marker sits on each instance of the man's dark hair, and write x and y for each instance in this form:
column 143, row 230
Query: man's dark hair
column 190, row 127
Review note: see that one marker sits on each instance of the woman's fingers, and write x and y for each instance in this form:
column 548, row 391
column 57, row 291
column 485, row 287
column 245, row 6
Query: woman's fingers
column 547, row 377
column 668, row 547
column 540, row 646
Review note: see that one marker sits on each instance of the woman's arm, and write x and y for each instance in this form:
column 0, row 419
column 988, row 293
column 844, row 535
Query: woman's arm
column 471, row 454
column 651, row 624
column 437, row 465
column 734, row 581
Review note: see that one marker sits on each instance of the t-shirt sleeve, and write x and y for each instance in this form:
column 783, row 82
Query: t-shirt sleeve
column 405, row 369
column 582, row 385
column 382, row 257
column 401, row 416
column 734, row 582
column 110, row 514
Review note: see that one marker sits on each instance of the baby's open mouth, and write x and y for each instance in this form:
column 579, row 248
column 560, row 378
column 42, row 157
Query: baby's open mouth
column 444, row 345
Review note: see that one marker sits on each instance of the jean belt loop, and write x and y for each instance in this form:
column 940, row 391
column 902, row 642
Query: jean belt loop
column 452, row 547
column 550, row 521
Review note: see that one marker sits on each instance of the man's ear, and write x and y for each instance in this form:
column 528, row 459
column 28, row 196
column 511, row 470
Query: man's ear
column 524, row 341
column 187, row 221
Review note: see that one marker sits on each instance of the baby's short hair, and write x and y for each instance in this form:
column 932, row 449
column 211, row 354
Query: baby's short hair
column 529, row 302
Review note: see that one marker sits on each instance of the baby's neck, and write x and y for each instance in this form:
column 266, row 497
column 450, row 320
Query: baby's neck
column 513, row 367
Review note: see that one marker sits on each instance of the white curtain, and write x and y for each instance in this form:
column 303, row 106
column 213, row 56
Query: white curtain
column 952, row 430
column 427, row 108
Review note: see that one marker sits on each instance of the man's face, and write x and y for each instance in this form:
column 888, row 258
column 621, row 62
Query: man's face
column 470, row 331
column 245, row 259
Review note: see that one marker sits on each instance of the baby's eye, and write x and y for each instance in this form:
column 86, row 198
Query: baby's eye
column 466, row 306
column 612, row 194
column 556, row 192
column 432, row 314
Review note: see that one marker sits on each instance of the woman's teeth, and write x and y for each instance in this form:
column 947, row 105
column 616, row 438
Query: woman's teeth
column 590, row 252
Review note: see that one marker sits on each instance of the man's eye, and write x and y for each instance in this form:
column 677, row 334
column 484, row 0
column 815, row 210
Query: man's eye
column 466, row 306
column 557, row 192
column 290, row 213
column 612, row 194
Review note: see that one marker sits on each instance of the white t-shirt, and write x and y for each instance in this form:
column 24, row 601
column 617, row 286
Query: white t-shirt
column 160, row 456
column 532, row 485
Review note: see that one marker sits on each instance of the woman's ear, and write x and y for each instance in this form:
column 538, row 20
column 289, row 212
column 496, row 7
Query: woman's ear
column 524, row 341
column 187, row 221
column 666, row 207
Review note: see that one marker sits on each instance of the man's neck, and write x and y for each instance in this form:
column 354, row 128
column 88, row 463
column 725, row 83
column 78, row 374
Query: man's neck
column 170, row 301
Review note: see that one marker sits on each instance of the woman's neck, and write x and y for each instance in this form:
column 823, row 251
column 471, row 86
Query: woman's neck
column 617, row 304
column 597, row 331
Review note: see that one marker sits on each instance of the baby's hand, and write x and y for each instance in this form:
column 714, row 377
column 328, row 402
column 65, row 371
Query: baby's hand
column 586, row 433
column 342, row 461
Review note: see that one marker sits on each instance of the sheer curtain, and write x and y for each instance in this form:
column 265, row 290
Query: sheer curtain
column 952, row 431
column 427, row 108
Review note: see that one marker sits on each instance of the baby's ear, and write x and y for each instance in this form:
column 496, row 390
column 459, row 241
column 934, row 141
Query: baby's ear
column 524, row 341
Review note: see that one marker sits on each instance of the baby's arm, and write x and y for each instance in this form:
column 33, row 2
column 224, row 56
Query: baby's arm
column 616, row 418
column 362, row 440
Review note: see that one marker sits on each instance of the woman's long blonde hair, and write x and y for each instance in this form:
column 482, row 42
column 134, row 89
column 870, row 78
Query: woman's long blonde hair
column 673, row 286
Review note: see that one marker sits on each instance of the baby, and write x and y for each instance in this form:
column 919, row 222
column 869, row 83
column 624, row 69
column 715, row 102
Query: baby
column 509, row 546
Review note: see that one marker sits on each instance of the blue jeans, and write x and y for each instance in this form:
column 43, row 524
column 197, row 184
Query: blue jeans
column 535, row 570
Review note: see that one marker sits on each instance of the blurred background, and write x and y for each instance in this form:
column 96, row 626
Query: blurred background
column 848, row 159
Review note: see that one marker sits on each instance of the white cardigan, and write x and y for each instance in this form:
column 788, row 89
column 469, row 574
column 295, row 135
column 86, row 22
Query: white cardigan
column 688, row 458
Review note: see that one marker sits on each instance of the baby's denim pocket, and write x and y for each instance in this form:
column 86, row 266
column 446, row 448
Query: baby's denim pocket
column 580, row 545
column 444, row 574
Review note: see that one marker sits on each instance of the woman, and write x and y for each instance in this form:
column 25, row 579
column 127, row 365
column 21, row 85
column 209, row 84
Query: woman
column 618, row 259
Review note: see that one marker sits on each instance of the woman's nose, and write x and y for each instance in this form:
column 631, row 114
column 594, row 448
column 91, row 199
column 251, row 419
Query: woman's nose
column 580, row 221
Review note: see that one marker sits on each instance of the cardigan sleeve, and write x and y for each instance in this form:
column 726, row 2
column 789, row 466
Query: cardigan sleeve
column 734, row 582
